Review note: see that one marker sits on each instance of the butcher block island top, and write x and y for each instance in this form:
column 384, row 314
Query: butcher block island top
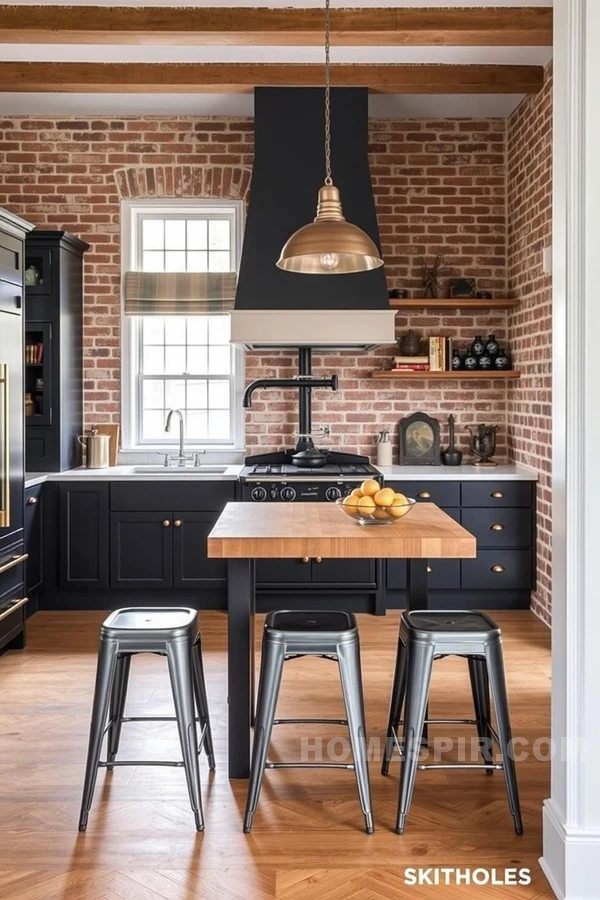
column 281, row 530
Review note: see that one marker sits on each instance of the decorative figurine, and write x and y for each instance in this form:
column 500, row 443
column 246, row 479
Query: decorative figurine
column 431, row 276
column 482, row 444
column 451, row 456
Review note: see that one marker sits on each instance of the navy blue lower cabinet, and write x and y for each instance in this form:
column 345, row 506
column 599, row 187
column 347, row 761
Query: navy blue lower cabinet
column 141, row 550
column 191, row 566
column 83, row 558
column 498, row 570
column 270, row 572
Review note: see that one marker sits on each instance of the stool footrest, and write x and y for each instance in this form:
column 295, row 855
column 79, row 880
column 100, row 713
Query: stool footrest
column 461, row 766
column 139, row 762
column 307, row 765
column 310, row 721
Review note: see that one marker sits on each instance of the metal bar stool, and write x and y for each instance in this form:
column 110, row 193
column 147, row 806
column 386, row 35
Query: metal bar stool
column 170, row 632
column 425, row 636
column 291, row 634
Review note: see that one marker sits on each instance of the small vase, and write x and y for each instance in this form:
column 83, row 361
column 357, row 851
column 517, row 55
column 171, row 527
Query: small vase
column 451, row 456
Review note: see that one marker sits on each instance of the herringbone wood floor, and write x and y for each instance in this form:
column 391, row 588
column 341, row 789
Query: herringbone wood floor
column 307, row 840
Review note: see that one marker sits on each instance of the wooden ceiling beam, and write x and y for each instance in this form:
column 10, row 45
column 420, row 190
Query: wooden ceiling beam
column 245, row 26
column 182, row 78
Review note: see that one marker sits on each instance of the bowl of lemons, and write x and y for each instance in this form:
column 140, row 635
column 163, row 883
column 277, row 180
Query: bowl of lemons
column 370, row 504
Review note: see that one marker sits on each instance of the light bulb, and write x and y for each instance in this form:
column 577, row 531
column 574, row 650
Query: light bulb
column 329, row 260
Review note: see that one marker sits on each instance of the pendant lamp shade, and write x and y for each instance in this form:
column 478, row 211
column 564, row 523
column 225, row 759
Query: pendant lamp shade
column 329, row 245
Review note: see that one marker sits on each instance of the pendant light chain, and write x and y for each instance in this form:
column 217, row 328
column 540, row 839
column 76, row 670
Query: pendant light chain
column 327, row 96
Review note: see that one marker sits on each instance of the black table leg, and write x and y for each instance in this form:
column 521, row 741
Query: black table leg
column 240, row 665
column 417, row 599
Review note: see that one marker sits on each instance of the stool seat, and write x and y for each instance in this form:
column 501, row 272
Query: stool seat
column 452, row 622
column 148, row 618
column 320, row 620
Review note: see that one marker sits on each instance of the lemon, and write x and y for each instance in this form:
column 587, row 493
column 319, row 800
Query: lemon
column 356, row 492
column 366, row 505
column 381, row 512
column 351, row 500
column 369, row 487
column 398, row 511
column 399, row 499
column 384, row 497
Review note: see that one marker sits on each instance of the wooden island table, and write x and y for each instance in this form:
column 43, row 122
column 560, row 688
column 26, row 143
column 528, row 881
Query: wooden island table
column 248, row 531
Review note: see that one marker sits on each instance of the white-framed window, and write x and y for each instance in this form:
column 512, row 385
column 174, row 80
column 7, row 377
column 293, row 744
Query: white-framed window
column 181, row 362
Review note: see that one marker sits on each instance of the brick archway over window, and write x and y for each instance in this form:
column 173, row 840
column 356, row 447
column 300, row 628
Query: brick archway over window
column 143, row 182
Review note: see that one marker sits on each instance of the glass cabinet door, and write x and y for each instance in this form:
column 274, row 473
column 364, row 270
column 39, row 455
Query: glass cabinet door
column 38, row 409
column 38, row 272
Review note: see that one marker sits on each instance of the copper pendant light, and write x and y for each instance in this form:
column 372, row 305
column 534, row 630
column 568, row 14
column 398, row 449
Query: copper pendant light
column 329, row 245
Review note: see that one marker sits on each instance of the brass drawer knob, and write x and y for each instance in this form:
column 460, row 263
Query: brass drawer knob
column 424, row 495
column 177, row 523
column 497, row 495
column 166, row 523
column 32, row 501
column 318, row 559
column 497, row 569
column 305, row 559
column 497, row 527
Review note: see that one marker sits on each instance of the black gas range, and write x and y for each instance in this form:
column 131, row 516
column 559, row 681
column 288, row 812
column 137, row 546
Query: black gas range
column 273, row 477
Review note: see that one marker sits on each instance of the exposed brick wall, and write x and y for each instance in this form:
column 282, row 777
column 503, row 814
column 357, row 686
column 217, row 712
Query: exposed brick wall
column 439, row 185
column 529, row 413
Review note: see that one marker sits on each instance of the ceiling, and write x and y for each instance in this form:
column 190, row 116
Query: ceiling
column 458, row 58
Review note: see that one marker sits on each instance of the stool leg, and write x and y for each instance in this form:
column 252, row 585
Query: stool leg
column 179, row 654
column 348, row 655
column 481, row 702
column 202, row 702
column 105, row 672
column 420, row 660
column 398, row 692
column 117, row 706
column 273, row 655
column 495, row 666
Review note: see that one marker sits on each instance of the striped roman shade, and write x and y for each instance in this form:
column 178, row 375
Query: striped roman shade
column 179, row 293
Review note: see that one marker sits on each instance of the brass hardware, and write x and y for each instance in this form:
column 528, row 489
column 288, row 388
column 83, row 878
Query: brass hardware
column 177, row 523
column 424, row 495
column 497, row 527
column 497, row 569
column 166, row 523
column 429, row 570
column 497, row 494
column 4, row 452
column 14, row 561
column 14, row 605
column 32, row 501
column 305, row 559
column 318, row 559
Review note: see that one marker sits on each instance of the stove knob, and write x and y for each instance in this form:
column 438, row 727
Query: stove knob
column 258, row 493
column 273, row 493
column 288, row 493
column 333, row 493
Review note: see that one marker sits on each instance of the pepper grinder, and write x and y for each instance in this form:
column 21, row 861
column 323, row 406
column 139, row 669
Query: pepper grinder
column 451, row 456
column 384, row 449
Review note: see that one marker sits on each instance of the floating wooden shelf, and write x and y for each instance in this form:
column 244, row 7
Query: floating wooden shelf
column 480, row 374
column 451, row 303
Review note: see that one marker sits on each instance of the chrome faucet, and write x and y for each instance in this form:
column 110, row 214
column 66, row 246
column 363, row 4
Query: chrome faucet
column 181, row 458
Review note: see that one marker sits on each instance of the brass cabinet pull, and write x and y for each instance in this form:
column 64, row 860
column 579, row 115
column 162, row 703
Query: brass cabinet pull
column 177, row 523
column 318, row 559
column 32, row 501
column 497, row 569
column 166, row 523
column 424, row 495
column 497, row 495
column 497, row 527
column 429, row 570
column 4, row 451
column 305, row 559
column 14, row 605
column 14, row 561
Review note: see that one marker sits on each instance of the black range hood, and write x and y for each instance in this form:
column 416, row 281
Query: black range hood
column 274, row 308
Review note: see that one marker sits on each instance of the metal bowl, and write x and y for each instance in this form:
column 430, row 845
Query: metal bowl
column 383, row 515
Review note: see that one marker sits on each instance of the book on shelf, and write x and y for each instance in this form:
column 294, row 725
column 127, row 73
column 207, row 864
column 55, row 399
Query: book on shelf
column 34, row 354
column 440, row 353
column 413, row 367
column 411, row 360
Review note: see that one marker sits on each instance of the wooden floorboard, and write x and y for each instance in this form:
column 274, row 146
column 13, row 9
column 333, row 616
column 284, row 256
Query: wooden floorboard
column 307, row 840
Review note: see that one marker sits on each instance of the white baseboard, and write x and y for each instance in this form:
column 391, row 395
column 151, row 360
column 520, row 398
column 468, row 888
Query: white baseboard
column 571, row 860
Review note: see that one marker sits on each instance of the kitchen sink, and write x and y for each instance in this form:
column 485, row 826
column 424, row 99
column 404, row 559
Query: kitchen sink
column 207, row 469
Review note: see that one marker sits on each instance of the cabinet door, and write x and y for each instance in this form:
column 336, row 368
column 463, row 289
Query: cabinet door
column 343, row 572
column 34, row 537
column 83, row 536
column 191, row 566
column 283, row 571
column 141, row 550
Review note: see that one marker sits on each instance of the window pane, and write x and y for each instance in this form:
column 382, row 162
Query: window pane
column 219, row 394
column 198, row 329
column 197, row 234
column 153, row 330
column 218, row 425
column 175, row 330
column 174, row 394
column 153, row 236
column 220, row 329
column 218, row 234
column 197, row 261
column 153, row 261
column 175, row 261
column 153, row 360
column 197, row 360
column 175, row 234
column 218, row 261
column 196, row 425
column 174, row 360
column 153, row 394
column 219, row 360
column 153, row 424
column 197, row 395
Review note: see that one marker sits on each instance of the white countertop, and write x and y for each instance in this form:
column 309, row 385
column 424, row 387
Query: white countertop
column 509, row 472
column 128, row 473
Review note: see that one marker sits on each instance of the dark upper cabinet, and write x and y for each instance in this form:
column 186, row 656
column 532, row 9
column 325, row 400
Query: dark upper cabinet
column 53, row 347
column 191, row 565
column 141, row 554
column 83, row 555
column 34, row 538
